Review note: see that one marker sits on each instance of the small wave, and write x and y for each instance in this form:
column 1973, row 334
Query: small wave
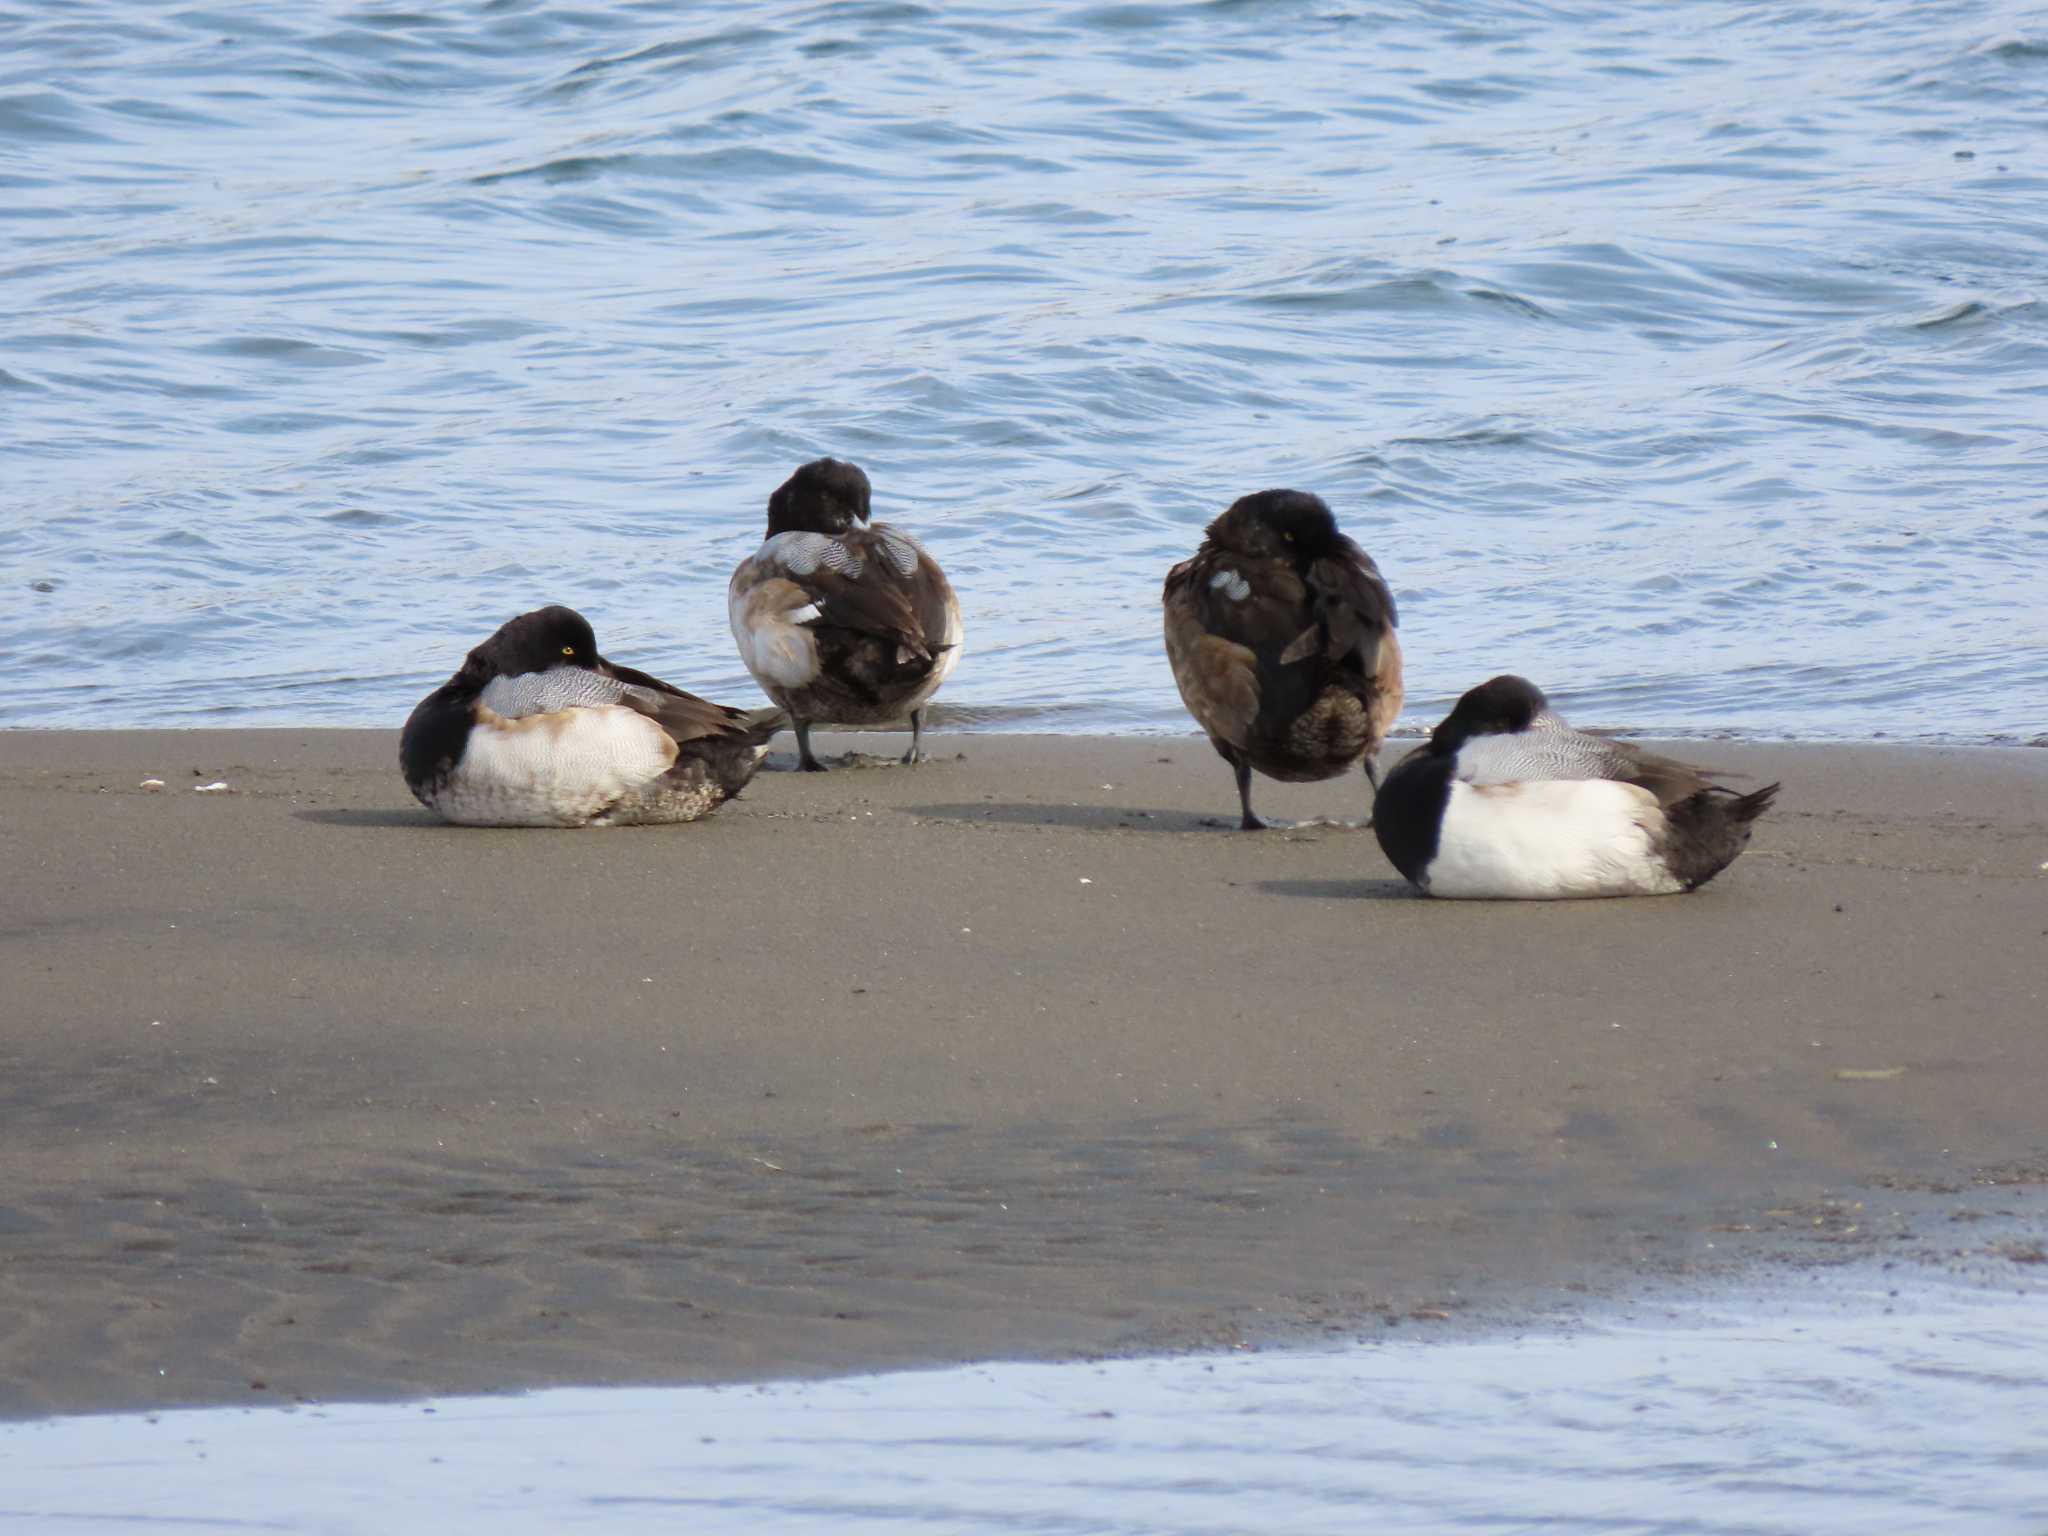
column 1968, row 309
column 739, row 165
column 1419, row 291
column 567, row 168
column 289, row 349
column 45, row 117
column 1470, row 437
column 362, row 517
column 1126, row 18
column 1515, row 302
column 687, row 55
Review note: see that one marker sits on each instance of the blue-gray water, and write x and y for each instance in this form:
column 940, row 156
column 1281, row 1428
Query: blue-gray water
column 1827, row 1415
column 1691, row 359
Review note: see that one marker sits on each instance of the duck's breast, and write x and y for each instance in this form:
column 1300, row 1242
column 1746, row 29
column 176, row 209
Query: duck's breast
column 1550, row 839
column 556, row 769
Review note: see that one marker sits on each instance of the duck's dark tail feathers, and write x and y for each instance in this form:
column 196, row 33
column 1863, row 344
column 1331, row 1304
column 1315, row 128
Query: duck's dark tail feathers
column 1746, row 808
column 760, row 724
column 1704, row 832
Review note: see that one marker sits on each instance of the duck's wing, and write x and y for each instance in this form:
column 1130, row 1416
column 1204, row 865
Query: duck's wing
column 1228, row 618
column 683, row 715
column 852, row 581
column 1351, row 608
column 931, row 595
column 1550, row 749
column 543, row 693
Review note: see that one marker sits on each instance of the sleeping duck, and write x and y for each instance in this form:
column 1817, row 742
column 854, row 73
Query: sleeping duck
column 842, row 622
column 1506, row 800
column 536, row 729
column 1281, row 635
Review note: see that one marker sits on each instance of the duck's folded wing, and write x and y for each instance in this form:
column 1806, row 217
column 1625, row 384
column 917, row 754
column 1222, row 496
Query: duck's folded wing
column 1215, row 623
column 855, row 581
column 925, row 586
column 1352, row 605
column 543, row 693
column 1553, row 750
column 683, row 715
column 1258, row 604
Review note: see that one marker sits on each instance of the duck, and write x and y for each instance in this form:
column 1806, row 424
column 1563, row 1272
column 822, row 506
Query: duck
column 1507, row 801
column 1280, row 631
column 842, row 621
column 537, row 729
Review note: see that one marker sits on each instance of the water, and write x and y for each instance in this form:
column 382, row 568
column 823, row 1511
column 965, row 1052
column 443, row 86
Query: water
column 1689, row 359
column 1827, row 1415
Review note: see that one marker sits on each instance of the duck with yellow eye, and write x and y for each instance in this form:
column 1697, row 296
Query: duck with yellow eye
column 1281, row 635
column 537, row 729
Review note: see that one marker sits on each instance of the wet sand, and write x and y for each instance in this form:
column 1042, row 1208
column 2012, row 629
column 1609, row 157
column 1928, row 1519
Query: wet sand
column 305, row 1095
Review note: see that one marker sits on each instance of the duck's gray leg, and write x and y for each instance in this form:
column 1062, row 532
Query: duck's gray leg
column 804, row 760
column 913, row 757
column 1372, row 777
column 1243, row 765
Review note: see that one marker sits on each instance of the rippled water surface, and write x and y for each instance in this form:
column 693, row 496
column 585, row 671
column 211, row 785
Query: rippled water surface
column 1692, row 359
column 1821, row 1419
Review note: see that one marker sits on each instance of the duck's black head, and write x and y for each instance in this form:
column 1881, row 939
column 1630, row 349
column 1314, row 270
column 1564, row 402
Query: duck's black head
column 824, row 496
column 1499, row 706
column 547, row 637
column 1294, row 526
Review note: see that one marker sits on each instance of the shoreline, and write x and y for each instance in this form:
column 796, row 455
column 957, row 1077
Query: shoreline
column 1007, row 1056
column 976, row 722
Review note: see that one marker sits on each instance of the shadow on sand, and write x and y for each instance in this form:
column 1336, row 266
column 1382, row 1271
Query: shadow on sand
column 339, row 817
column 1094, row 818
column 1343, row 890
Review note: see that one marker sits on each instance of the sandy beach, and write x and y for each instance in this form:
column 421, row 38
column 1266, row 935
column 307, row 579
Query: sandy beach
column 305, row 1095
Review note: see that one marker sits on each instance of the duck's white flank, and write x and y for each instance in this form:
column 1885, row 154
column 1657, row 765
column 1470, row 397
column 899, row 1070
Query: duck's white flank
column 768, row 625
column 1550, row 839
column 562, row 768
column 946, row 654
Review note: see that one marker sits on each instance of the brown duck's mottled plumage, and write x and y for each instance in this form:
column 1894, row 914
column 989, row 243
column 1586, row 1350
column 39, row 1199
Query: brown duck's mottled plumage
column 841, row 621
column 1281, row 635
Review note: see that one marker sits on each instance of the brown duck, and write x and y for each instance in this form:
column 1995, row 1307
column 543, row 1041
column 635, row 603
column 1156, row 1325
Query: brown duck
column 841, row 621
column 1281, row 635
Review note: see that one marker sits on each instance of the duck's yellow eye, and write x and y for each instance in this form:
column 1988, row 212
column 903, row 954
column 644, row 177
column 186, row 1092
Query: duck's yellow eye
column 568, row 650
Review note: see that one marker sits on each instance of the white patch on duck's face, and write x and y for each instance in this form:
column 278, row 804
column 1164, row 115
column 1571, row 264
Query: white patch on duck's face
column 553, row 770
column 1549, row 839
column 1231, row 585
column 768, row 618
